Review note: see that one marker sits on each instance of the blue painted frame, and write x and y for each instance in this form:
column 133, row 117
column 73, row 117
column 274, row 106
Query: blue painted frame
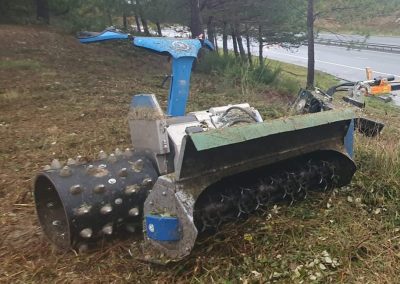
column 349, row 140
column 182, row 51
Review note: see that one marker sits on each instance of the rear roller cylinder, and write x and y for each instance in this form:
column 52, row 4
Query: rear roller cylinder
column 230, row 200
column 79, row 204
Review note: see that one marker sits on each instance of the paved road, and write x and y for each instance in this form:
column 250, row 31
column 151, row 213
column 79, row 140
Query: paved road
column 341, row 62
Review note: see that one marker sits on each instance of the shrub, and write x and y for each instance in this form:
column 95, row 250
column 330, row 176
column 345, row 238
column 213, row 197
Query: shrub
column 236, row 70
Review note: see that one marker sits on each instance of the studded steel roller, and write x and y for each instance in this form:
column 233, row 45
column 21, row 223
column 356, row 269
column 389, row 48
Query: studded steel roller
column 78, row 204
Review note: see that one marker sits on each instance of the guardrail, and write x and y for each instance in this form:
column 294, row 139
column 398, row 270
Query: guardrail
column 360, row 45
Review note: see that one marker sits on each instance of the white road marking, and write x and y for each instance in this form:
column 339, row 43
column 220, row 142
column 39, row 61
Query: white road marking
column 331, row 63
column 355, row 49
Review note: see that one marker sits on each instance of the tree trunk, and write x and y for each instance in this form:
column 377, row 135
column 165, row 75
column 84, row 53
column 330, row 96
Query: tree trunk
column 159, row 28
column 109, row 17
column 42, row 11
column 240, row 42
column 107, row 13
column 142, row 18
column 196, row 22
column 310, row 36
column 145, row 26
column 260, row 46
column 216, row 43
column 135, row 7
column 241, row 48
column 225, row 39
column 234, row 41
column 249, row 56
column 210, row 30
column 139, row 28
column 124, row 21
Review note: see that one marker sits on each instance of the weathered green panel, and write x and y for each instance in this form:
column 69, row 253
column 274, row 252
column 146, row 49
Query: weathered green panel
column 226, row 136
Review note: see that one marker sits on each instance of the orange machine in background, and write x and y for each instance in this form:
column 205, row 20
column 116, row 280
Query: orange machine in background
column 379, row 85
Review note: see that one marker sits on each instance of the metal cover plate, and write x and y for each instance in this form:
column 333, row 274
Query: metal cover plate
column 232, row 135
column 232, row 150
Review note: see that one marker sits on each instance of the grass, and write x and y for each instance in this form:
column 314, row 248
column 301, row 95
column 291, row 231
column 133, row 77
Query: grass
column 9, row 96
column 293, row 77
column 19, row 64
column 381, row 157
column 357, row 226
column 382, row 20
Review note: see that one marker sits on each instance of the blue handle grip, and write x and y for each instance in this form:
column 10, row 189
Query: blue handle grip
column 103, row 36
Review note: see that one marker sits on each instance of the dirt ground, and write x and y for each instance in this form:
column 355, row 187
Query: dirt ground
column 59, row 98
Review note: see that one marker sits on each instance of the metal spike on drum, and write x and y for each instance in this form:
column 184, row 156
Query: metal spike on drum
column 100, row 188
column 75, row 189
column 123, row 172
column 137, row 166
column 65, row 171
column 71, row 162
column 55, row 164
column 102, row 155
column 86, row 233
column 128, row 152
column 106, row 209
column 118, row 152
column 112, row 158
column 107, row 229
column 134, row 212
column 83, row 209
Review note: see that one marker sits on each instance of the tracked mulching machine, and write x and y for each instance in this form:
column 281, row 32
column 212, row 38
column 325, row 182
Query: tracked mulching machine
column 190, row 172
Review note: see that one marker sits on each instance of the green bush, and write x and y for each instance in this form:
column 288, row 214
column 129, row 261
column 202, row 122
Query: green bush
column 287, row 85
column 236, row 70
column 263, row 74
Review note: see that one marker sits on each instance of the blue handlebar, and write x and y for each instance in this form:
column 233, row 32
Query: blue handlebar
column 103, row 36
column 182, row 51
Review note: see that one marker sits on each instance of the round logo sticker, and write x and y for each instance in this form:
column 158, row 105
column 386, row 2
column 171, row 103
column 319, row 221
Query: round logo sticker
column 180, row 46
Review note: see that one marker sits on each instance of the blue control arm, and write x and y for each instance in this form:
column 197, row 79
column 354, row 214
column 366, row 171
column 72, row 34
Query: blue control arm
column 182, row 51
